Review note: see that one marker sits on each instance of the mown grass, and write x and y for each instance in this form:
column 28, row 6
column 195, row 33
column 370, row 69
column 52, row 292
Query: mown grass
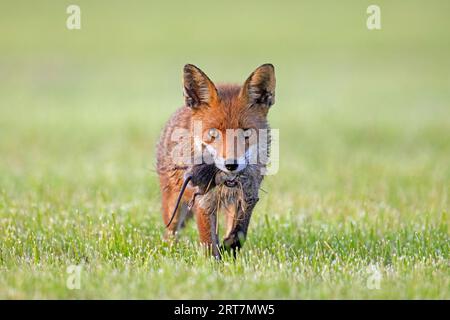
column 364, row 177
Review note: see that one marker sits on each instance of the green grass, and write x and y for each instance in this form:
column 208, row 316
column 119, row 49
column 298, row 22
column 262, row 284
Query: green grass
column 364, row 119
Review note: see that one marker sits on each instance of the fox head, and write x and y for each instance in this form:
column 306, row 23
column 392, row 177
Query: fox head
column 228, row 121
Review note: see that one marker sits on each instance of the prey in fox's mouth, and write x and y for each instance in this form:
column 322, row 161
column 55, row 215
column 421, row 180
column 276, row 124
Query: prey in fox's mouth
column 208, row 176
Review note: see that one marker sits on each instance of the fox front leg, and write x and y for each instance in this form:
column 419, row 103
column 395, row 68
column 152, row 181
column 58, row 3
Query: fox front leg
column 206, row 222
column 250, row 180
column 238, row 234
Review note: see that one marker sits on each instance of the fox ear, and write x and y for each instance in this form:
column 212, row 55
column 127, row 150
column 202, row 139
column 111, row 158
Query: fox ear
column 198, row 88
column 259, row 88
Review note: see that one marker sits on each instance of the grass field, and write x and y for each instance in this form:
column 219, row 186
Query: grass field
column 358, row 209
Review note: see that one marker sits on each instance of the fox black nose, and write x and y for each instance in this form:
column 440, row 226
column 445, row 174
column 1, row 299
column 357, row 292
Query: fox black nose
column 232, row 166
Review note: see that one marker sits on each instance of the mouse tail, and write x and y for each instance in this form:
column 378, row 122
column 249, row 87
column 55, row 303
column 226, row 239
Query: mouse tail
column 180, row 195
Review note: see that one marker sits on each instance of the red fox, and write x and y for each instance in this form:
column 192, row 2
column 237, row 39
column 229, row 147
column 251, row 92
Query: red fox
column 210, row 155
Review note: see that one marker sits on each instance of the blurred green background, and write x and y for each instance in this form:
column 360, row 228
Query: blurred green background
column 364, row 119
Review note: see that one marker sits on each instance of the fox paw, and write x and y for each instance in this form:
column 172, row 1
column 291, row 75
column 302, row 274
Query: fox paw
column 233, row 242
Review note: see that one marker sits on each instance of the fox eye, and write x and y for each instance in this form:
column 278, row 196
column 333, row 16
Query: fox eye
column 247, row 133
column 212, row 134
